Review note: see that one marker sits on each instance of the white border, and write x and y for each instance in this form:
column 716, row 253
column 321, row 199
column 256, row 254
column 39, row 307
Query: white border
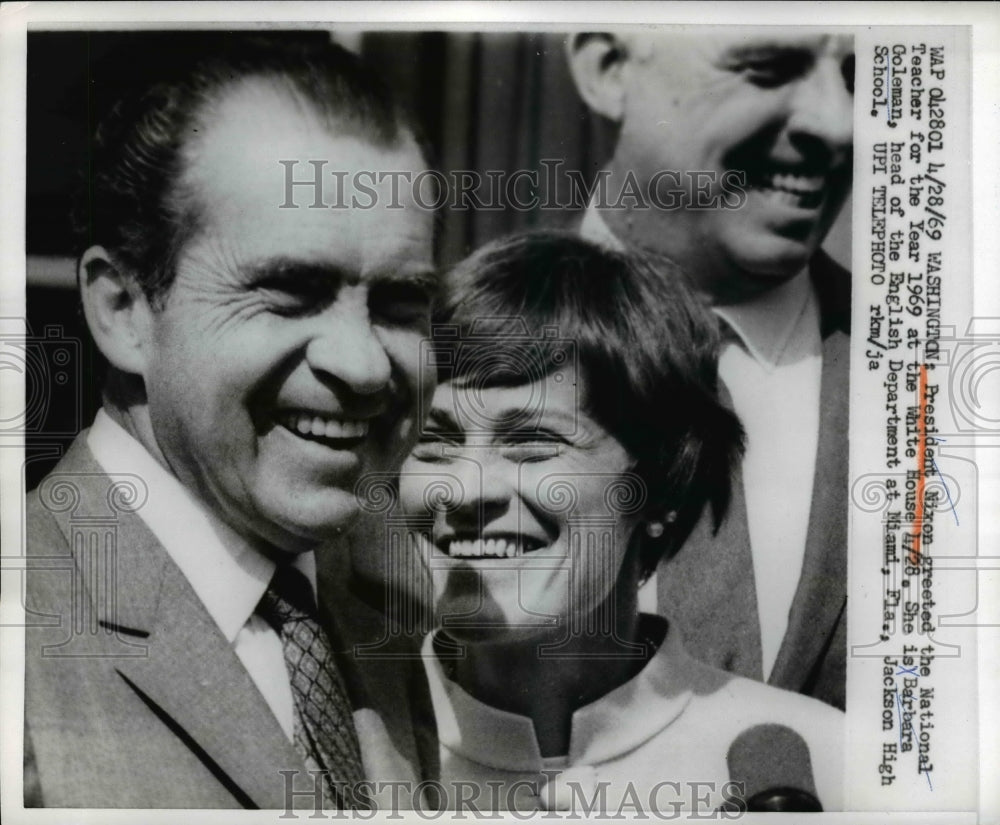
column 16, row 18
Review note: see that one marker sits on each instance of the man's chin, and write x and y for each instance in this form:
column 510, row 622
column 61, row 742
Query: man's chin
column 768, row 259
column 305, row 523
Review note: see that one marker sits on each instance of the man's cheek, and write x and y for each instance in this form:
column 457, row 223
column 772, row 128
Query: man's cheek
column 410, row 353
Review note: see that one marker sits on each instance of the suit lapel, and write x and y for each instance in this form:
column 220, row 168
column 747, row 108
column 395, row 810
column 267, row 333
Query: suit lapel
column 709, row 585
column 195, row 680
column 190, row 676
column 709, row 591
column 822, row 590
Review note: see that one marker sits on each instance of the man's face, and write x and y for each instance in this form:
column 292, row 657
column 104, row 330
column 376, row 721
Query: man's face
column 284, row 362
column 777, row 107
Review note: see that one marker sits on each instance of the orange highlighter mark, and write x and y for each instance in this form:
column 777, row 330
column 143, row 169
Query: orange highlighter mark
column 918, row 519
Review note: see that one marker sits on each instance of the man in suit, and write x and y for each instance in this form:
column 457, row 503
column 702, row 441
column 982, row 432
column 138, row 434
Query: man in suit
column 765, row 597
column 262, row 358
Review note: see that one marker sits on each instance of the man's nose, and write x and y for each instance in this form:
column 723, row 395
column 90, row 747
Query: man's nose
column 822, row 112
column 348, row 348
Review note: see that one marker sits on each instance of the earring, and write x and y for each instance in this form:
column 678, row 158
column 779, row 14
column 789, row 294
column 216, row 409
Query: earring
column 654, row 529
column 671, row 517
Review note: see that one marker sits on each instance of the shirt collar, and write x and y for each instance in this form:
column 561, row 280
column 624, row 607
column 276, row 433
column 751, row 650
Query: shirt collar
column 778, row 324
column 225, row 571
column 616, row 723
column 780, row 321
column 594, row 228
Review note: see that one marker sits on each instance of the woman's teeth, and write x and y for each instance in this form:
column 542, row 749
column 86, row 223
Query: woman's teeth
column 492, row 548
column 319, row 426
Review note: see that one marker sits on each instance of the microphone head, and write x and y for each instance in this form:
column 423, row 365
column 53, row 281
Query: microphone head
column 771, row 762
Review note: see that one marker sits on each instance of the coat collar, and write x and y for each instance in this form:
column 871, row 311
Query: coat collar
column 227, row 572
column 822, row 592
column 189, row 676
column 730, row 637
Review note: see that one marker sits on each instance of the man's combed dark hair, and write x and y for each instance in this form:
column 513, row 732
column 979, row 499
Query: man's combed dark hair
column 133, row 203
column 646, row 346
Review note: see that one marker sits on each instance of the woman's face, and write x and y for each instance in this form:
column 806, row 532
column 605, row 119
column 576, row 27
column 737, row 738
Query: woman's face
column 526, row 506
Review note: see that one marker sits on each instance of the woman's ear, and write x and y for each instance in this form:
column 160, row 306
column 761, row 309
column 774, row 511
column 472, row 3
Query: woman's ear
column 596, row 61
column 117, row 311
column 656, row 527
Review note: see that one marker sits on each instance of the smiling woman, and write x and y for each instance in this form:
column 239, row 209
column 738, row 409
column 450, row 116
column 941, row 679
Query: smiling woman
column 550, row 348
column 577, row 437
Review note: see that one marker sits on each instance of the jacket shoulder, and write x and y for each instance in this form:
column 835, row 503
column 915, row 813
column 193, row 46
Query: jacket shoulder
column 41, row 530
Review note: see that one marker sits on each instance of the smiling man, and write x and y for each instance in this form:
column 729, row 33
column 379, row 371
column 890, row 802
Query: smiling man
column 764, row 597
column 262, row 358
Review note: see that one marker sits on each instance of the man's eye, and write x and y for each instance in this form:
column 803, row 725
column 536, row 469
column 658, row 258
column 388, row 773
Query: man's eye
column 401, row 304
column 775, row 70
column 291, row 297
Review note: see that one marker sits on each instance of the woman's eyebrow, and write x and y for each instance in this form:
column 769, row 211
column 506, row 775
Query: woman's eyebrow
column 520, row 420
column 440, row 417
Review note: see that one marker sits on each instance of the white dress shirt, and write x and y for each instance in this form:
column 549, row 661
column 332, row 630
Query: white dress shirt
column 773, row 373
column 226, row 573
column 671, row 723
column 773, row 376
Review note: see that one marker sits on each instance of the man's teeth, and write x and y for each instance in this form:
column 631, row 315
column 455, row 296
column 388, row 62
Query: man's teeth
column 495, row 548
column 799, row 184
column 806, row 190
column 326, row 427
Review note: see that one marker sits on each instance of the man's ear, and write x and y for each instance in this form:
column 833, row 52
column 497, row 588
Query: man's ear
column 596, row 61
column 117, row 311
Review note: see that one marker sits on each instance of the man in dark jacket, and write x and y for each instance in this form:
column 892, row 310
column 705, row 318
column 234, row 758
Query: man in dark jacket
column 739, row 143
column 262, row 358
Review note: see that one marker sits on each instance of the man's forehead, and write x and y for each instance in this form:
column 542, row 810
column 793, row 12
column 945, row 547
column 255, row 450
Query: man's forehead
column 735, row 42
column 722, row 42
column 258, row 138
column 260, row 120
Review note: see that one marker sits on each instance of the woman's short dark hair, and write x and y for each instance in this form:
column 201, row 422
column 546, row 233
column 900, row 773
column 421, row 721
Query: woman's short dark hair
column 132, row 202
column 646, row 346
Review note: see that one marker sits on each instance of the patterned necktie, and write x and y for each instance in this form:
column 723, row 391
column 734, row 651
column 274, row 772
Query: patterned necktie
column 324, row 725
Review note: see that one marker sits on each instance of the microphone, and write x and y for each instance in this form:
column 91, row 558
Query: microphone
column 771, row 763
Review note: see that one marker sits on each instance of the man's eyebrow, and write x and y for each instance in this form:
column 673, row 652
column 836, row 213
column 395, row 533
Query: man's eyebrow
column 293, row 269
column 298, row 270
column 764, row 48
column 427, row 279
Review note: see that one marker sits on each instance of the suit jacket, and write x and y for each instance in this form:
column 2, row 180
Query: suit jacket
column 708, row 586
column 134, row 698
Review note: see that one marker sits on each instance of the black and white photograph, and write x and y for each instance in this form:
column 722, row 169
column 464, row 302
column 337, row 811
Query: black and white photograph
column 569, row 416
